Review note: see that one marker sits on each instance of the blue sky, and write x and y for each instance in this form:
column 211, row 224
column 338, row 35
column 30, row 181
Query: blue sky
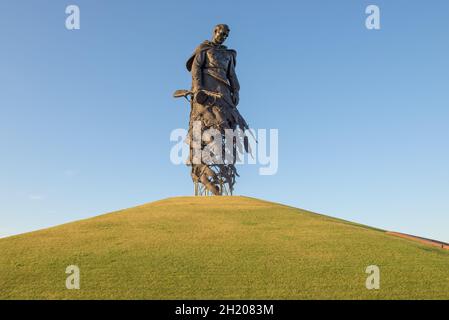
column 86, row 115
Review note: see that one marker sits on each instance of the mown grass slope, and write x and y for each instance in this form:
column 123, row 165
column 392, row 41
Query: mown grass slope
column 218, row 247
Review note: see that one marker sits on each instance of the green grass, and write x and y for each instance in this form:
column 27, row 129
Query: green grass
column 218, row 247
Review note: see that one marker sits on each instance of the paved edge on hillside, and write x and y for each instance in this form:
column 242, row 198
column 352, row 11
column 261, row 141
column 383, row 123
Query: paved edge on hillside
column 430, row 242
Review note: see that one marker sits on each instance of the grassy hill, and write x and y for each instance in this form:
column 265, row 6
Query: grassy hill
column 218, row 247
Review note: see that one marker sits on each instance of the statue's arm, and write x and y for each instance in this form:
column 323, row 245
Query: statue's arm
column 197, row 73
column 234, row 81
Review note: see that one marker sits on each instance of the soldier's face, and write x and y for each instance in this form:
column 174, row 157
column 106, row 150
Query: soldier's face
column 221, row 34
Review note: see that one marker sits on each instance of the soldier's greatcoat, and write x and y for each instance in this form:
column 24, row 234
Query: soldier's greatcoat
column 213, row 70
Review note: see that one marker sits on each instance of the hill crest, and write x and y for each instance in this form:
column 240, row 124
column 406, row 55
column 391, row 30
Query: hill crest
column 218, row 247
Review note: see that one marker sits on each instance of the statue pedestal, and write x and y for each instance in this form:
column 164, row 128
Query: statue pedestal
column 200, row 190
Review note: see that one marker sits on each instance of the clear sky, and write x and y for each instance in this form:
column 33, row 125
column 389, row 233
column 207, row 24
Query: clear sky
column 86, row 115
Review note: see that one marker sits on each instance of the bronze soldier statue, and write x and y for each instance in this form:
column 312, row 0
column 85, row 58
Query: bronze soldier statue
column 214, row 97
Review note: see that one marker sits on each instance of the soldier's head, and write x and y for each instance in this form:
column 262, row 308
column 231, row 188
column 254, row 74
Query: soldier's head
column 221, row 32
